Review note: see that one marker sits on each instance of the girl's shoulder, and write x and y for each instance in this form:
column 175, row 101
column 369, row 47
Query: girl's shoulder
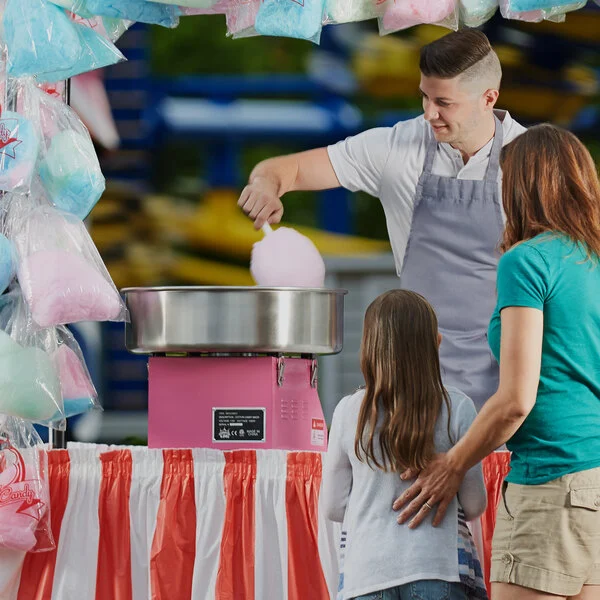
column 351, row 402
column 461, row 406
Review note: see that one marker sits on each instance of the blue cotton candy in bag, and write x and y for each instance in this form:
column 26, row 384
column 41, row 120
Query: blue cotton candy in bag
column 96, row 52
column 7, row 262
column 19, row 145
column 39, row 37
column 527, row 5
column 71, row 173
column 474, row 13
column 142, row 11
column 43, row 41
column 291, row 18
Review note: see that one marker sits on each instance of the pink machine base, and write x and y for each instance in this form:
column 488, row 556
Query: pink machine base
column 231, row 403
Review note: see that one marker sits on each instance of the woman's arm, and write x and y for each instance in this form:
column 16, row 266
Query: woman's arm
column 337, row 472
column 498, row 420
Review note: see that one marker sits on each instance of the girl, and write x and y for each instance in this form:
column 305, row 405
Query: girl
column 399, row 421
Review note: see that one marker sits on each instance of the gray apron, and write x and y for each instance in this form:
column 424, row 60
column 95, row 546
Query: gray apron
column 451, row 259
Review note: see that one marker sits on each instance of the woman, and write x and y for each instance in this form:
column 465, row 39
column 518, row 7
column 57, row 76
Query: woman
column 547, row 407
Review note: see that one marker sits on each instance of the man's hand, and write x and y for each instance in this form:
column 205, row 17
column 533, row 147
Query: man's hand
column 260, row 201
column 437, row 485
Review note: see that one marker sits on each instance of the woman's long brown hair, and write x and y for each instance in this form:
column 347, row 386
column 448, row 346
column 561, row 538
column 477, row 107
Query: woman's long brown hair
column 404, row 392
column 550, row 183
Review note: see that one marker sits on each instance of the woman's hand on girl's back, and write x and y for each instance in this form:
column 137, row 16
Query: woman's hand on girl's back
column 434, row 489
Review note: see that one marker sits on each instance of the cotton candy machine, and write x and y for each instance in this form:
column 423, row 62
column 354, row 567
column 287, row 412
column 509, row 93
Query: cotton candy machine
column 234, row 367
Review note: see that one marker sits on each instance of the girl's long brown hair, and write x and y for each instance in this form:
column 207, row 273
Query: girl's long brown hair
column 550, row 183
column 404, row 392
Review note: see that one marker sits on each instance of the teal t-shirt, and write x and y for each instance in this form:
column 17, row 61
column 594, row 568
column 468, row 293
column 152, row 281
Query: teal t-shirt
column 561, row 435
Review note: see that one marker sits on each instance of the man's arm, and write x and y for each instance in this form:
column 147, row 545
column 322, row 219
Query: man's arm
column 274, row 177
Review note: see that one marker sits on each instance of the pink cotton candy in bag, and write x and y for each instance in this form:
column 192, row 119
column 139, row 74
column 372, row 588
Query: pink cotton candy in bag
column 74, row 378
column 59, row 269
column 62, row 287
column 402, row 14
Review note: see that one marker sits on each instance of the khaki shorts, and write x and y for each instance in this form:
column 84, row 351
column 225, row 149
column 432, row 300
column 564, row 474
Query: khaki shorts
column 547, row 536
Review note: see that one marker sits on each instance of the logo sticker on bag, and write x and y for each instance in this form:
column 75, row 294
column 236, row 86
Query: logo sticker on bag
column 15, row 488
column 8, row 137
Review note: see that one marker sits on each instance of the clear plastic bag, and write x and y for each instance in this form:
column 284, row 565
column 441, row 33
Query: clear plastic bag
column 29, row 383
column 520, row 6
column 43, row 42
column 301, row 19
column 78, row 391
column 24, row 488
column 68, row 166
column 142, row 11
column 59, row 269
column 402, row 14
column 554, row 13
column 474, row 13
column 8, row 263
column 111, row 29
column 348, row 11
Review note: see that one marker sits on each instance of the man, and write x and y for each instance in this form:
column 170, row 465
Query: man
column 438, row 179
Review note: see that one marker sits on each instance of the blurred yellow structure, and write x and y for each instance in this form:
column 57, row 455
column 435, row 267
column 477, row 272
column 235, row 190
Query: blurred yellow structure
column 388, row 67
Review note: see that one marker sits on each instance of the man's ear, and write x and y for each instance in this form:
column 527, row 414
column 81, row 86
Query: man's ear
column 490, row 97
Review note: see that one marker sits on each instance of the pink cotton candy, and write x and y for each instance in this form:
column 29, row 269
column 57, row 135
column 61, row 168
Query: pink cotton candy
column 286, row 258
column 74, row 381
column 401, row 14
column 62, row 287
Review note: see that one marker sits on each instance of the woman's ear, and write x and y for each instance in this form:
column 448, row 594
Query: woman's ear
column 439, row 339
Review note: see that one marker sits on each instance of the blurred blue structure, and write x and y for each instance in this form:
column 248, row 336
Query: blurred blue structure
column 228, row 112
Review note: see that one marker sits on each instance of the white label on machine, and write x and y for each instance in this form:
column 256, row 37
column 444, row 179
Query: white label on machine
column 317, row 437
column 238, row 425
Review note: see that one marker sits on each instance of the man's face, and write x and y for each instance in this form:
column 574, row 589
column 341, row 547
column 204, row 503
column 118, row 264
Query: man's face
column 453, row 109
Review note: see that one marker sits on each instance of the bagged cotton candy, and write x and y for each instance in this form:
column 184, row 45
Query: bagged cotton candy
column 240, row 16
column 59, row 269
column 39, row 37
column 302, row 19
column 286, row 258
column 24, row 491
column 527, row 5
column 68, row 166
column 474, row 13
column 42, row 41
column 7, row 262
column 71, row 173
column 348, row 11
column 78, row 391
column 402, row 14
column 142, row 11
column 29, row 385
column 553, row 13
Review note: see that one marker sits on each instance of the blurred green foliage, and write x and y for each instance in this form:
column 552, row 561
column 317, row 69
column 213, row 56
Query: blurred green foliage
column 199, row 46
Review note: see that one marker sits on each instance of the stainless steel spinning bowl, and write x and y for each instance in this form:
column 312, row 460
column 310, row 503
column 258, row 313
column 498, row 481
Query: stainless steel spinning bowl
column 234, row 320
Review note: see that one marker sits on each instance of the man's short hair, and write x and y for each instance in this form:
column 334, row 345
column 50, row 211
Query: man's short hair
column 467, row 53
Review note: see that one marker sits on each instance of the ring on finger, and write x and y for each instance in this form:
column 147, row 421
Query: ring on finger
column 427, row 506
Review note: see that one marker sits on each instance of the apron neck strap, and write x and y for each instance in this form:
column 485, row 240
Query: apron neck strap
column 493, row 167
